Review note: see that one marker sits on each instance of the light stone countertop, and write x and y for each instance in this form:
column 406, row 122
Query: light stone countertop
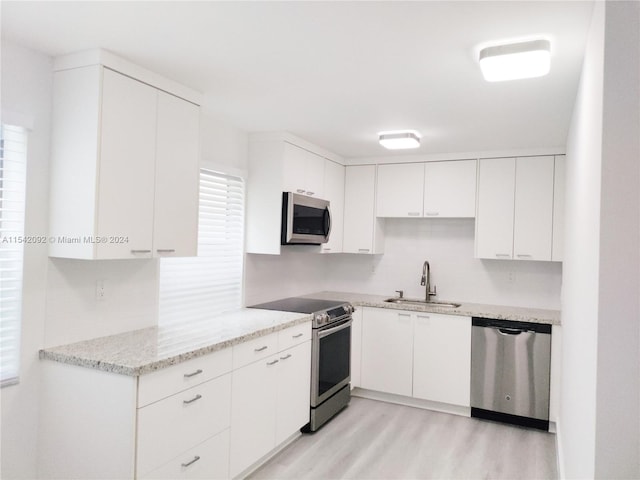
column 520, row 314
column 142, row 351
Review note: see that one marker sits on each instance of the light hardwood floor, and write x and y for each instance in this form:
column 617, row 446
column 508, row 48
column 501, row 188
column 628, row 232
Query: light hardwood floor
column 377, row 440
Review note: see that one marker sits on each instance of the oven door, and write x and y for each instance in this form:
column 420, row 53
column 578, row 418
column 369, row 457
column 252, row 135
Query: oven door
column 331, row 365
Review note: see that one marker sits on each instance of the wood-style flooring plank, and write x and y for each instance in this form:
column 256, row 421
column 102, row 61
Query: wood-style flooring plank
column 377, row 440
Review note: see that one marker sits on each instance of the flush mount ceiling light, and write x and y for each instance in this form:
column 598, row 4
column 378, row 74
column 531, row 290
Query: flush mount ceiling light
column 516, row 60
column 399, row 140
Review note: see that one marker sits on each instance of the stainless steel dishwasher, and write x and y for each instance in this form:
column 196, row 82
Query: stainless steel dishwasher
column 510, row 371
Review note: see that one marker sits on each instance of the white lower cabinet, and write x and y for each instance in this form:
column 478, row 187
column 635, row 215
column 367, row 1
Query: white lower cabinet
column 270, row 402
column 442, row 358
column 207, row 461
column 420, row 355
column 387, row 351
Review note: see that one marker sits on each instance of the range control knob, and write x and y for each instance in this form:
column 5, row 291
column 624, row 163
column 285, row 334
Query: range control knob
column 321, row 318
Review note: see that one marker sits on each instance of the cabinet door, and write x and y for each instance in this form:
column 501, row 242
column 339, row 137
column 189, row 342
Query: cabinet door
column 558, row 209
column 494, row 223
column 294, row 386
column 303, row 171
column 442, row 358
column 387, row 344
column 334, row 192
column 400, row 190
column 361, row 232
column 175, row 226
column 126, row 167
column 253, row 422
column 450, row 189
column 356, row 348
column 533, row 218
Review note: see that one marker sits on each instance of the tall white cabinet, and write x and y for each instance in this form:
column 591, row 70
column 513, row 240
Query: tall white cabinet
column 125, row 164
column 363, row 232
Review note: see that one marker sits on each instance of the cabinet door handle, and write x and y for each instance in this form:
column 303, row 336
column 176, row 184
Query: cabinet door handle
column 310, row 193
column 299, row 190
column 140, row 251
column 273, row 363
column 193, row 374
column 503, row 255
column 414, row 214
column 363, row 249
column 286, row 357
column 197, row 397
column 166, row 250
column 524, row 255
column 326, row 249
column 195, row 459
column 432, row 214
column 261, row 349
column 297, row 336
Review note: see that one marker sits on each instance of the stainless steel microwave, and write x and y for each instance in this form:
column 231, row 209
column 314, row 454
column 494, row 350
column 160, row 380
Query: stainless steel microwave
column 305, row 220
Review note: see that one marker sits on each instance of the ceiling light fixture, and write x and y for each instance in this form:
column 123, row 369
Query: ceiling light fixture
column 516, row 60
column 399, row 140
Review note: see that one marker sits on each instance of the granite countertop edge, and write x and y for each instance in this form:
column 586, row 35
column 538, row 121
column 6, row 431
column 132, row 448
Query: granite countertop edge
column 82, row 354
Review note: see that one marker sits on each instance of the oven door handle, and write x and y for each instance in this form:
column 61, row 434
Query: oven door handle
column 329, row 331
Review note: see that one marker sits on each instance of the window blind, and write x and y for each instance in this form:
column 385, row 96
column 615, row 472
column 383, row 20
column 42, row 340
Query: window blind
column 13, row 168
column 193, row 289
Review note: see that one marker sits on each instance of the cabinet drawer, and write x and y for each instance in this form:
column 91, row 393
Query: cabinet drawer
column 293, row 336
column 256, row 349
column 177, row 423
column 168, row 381
column 208, row 460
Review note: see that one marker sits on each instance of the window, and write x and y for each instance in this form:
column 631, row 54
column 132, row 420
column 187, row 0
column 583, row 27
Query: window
column 13, row 168
column 196, row 288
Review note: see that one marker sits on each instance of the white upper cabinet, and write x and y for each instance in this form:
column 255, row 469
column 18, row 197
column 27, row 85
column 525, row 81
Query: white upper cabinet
column 515, row 208
column 125, row 160
column 400, row 189
column 177, row 171
column 494, row 223
column 334, row 192
column 558, row 209
column 533, row 220
column 362, row 230
column 280, row 162
column 450, row 189
column 303, row 171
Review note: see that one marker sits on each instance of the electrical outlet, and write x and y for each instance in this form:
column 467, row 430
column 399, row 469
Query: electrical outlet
column 101, row 292
column 512, row 278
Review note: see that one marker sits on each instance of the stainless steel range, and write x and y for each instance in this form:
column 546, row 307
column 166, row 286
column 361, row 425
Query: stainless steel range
column 330, row 354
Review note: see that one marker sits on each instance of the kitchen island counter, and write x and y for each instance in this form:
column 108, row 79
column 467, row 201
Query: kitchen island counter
column 146, row 350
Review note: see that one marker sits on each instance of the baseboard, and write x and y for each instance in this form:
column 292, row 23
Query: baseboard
column 255, row 466
column 412, row 402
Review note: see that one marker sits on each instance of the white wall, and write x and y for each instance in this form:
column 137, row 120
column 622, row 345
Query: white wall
column 618, row 375
column 26, row 95
column 599, row 429
column 448, row 246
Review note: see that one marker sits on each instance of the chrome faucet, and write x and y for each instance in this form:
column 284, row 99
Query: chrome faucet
column 425, row 281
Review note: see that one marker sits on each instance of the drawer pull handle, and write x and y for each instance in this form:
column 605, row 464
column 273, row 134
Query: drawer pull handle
column 261, row 349
column 197, row 397
column 166, row 250
column 299, row 190
column 311, row 193
column 273, row 363
column 195, row 459
column 284, row 358
column 189, row 375
column 297, row 336
column 140, row 251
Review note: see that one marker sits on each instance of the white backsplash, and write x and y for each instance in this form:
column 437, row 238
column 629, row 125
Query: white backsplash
column 74, row 313
column 448, row 245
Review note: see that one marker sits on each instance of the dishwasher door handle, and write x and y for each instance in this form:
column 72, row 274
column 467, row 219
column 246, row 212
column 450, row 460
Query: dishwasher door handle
column 509, row 331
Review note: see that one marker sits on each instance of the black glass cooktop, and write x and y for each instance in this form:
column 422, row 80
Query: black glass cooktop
column 300, row 305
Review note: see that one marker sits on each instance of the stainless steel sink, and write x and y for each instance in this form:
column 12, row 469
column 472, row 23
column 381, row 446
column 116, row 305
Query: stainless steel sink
column 414, row 301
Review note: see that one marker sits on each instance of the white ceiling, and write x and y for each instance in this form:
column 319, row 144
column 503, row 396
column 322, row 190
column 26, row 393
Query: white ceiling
column 336, row 73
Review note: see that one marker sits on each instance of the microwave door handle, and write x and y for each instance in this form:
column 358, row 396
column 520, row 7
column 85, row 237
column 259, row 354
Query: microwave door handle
column 327, row 222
